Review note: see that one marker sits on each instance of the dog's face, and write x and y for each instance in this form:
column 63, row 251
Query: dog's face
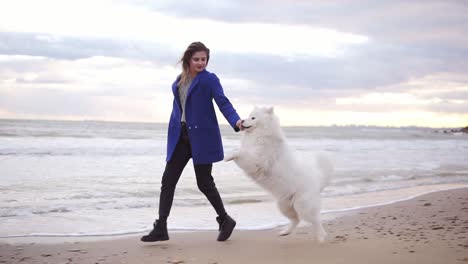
column 258, row 117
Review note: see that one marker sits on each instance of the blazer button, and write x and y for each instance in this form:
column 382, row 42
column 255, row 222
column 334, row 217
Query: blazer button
column 189, row 127
column 195, row 126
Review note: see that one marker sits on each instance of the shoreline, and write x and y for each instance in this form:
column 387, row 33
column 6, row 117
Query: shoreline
column 380, row 199
column 430, row 228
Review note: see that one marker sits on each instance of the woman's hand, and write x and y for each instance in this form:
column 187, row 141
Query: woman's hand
column 239, row 124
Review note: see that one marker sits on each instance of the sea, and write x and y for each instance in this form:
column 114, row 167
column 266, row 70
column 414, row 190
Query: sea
column 96, row 178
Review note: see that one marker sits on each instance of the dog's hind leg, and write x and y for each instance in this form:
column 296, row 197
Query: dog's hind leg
column 288, row 210
column 310, row 212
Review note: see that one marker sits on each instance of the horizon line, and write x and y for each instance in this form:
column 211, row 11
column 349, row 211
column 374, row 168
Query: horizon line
column 152, row 122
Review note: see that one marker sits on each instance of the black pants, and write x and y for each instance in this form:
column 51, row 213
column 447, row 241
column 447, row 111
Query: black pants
column 172, row 172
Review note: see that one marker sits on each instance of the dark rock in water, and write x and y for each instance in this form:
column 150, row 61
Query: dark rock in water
column 460, row 130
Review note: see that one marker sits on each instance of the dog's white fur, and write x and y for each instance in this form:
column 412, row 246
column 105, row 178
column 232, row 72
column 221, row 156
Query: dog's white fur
column 266, row 158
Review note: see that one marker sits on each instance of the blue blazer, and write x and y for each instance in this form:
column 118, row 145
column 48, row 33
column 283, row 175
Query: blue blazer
column 200, row 116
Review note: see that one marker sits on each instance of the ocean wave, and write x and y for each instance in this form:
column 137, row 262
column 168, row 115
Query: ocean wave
column 80, row 129
column 83, row 136
column 8, row 153
column 104, row 204
column 55, row 210
column 245, row 201
column 134, row 130
column 23, row 211
column 81, row 152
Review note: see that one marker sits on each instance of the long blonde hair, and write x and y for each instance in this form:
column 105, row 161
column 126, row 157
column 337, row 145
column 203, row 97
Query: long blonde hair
column 185, row 60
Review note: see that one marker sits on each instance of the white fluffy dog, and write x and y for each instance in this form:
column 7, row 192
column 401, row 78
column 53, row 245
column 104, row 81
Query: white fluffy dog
column 266, row 158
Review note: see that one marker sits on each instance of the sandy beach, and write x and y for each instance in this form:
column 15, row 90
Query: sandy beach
column 431, row 228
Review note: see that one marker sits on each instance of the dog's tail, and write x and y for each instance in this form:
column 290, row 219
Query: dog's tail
column 326, row 167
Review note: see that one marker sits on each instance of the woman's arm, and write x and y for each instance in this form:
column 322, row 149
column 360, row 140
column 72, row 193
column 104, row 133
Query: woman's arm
column 223, row 102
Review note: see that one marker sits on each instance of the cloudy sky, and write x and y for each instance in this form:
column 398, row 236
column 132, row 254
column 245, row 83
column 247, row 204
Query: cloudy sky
column 318, row 62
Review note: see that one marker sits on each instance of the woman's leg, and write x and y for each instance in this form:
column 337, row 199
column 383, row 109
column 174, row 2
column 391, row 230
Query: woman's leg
column 171, row 176
column 169, row 181
column 207, row 186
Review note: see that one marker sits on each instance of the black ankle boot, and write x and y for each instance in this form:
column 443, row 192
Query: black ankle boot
column 226, row 226
column 159, row 233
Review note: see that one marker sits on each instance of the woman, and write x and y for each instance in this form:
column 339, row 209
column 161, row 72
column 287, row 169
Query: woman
column 194, row 133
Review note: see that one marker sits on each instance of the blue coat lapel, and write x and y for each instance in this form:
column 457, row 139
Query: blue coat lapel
column 175, row 92
column 192, row 86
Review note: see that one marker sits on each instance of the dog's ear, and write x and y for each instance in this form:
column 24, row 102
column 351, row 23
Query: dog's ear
column 269, row 110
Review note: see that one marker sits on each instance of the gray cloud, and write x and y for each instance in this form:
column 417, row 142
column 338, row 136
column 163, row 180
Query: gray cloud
column 376, row 18
column 394, row 55
column 370, row 66
column 451, row 95
column 43, row 101
column 408, row 40
column 448, row 107
column 70, row 48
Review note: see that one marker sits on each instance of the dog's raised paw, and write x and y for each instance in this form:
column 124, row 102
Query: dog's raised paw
column 230, row 157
